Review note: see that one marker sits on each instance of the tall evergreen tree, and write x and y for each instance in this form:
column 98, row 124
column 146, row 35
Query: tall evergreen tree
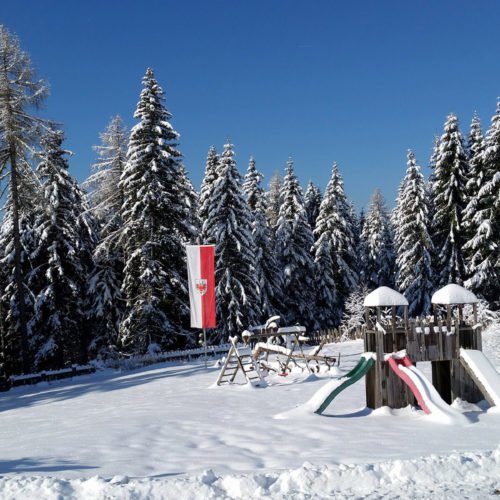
column 267, row 272
column 377, row 245
column 295, row 240
column 10, row 339
column 312, row 202
column 483, row 215
column 58, row 279
column 206, row 190
column 105, row 297
column 19, row 131
column 450, row 193
column 336, row 219
column 274, row 201
column 154, row 229
column 229, row 220
column 412, row 241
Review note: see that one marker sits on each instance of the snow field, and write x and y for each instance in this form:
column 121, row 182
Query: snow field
column 161, row 433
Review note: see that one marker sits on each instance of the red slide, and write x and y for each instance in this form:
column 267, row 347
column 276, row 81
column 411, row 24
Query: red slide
column 394, row 364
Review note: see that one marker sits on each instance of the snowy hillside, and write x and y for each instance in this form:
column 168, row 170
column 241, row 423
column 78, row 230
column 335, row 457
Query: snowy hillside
column 167, row 432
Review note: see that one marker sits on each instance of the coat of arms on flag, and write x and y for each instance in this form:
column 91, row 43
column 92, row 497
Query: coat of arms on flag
column 201, row 286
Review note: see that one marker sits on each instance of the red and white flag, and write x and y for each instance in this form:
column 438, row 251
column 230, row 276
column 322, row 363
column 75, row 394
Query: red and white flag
column 201, row 279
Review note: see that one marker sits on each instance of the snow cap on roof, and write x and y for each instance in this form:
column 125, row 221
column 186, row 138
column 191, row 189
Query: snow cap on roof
column 454, row 294
column 383, row 297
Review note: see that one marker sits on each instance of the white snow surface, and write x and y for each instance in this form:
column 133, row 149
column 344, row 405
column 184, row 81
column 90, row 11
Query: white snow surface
column 454, row 294
column 161, row 432
column 484, row 371
column 384, row 297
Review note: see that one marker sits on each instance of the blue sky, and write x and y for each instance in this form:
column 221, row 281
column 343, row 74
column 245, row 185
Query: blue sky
column 356, row 82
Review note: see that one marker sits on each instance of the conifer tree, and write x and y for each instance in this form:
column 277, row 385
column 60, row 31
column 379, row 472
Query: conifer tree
column 483, row 214
column 19, row 131
column 274, row 201
column 154, row 229
column 295, row 240
column 10, row 340
column 377, row 245
column 106, row 277
column 336, row 219
column 229, row 220
column 58, row 277
column 413, row 243
column 206, row 190
column 449, row 192
column 312, row 202
column 267, row 272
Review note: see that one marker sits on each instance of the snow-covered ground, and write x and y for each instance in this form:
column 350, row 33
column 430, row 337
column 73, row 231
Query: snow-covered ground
column 167, row 432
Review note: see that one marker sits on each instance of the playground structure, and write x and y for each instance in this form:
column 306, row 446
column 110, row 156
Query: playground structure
column 252, row 359
column 393, row 346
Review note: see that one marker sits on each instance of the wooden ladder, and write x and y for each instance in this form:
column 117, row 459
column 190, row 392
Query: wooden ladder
column 239, row 358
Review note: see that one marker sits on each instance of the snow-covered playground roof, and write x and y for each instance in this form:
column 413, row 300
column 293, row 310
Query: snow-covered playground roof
column 454, row 294
column 383, row 297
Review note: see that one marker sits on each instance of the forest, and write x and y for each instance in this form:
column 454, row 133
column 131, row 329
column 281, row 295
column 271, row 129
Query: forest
column 98, row 269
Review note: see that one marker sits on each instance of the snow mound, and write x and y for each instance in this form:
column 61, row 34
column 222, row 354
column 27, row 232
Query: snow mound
column 454, row 294
column 383, row 297
column 458, row 475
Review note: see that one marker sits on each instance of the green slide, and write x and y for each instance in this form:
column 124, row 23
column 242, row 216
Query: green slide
column 337, row 386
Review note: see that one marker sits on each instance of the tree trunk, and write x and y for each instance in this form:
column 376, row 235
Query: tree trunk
column 18, row 272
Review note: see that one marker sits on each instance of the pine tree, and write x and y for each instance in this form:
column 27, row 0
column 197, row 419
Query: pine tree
column 19, row 130
column 377, row 245
column 295, row 240
column 274, row 202
column 312, row 202
column 483, row 214
column 475, row 150
column 154, row 229
column 105, row 296
column 10, row 340
column 267, row 272
column 412, row 241
column 58, row 278
column 206, row 190
column 336, row 218
column 449, row 191
column 229, row 220
column 327, row 312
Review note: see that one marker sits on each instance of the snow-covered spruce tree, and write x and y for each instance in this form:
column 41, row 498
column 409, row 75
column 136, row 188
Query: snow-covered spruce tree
column 28, row 204
column 230, row 222
column 326, row 311
column 58, row 279
column 267, row 272
column 450, row 196
column 106, row 198
column 377, row 245
column 475, row 177
column 483, row 213
column 274, row 201
column 206, row 190
column 19, row 131
column 413, row 244
column 295, row 240
column 154, row 229
column 336, row 218
column 312, row 202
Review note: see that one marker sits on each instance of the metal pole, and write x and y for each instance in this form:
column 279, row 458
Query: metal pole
column 205, row 345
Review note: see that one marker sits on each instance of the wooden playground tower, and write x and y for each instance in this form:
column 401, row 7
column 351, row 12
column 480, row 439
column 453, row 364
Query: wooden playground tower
column 437, row 340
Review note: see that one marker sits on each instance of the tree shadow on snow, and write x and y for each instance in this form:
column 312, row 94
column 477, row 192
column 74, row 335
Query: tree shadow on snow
column 61, row 390
column 28, row 465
